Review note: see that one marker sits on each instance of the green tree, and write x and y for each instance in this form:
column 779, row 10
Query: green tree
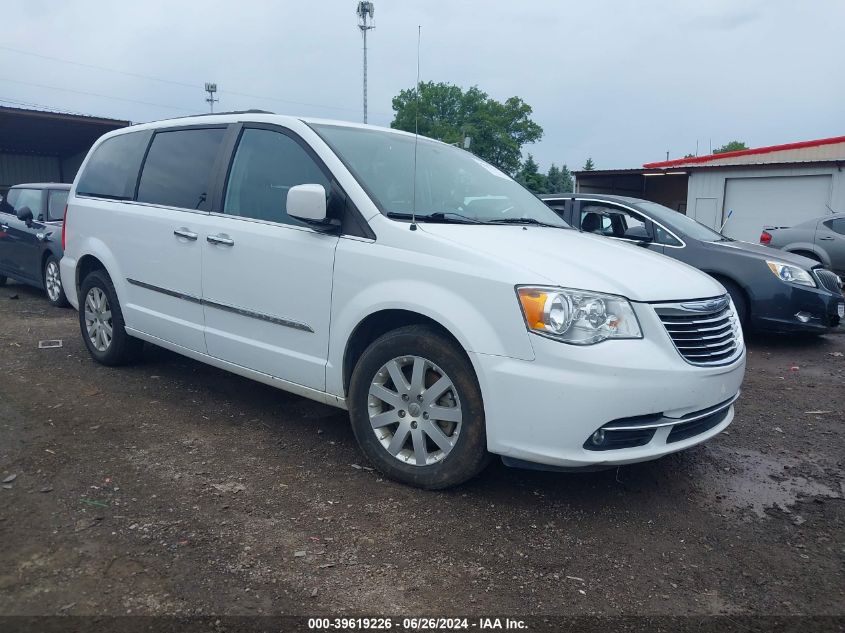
column 733, row 146
column 446, row 112
column 589, row 165
column 559, row 180
column 529, row 176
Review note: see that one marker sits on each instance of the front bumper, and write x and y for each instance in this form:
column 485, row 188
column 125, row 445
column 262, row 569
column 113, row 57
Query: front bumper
column 793, row 308
column 543, row 411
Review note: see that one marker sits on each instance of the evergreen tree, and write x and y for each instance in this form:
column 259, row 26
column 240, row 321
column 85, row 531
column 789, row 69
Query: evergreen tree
column 529, row 176
column 559, row 180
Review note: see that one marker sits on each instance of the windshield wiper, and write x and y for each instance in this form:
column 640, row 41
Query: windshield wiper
column 525, row 221
column 439, row 216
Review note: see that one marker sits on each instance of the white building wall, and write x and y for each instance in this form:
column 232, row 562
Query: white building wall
column 706, row 192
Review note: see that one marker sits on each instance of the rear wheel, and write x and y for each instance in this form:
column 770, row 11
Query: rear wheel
column 101, row 322
column 416, row 409
column 53, row 283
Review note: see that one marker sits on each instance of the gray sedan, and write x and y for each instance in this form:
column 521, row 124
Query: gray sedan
column 821, row 239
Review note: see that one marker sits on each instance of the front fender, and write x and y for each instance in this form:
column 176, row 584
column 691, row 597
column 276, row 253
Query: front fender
column 481, row 312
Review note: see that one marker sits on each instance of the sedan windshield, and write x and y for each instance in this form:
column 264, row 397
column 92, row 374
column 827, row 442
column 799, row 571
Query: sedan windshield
column 681, row 223
column 452, row 185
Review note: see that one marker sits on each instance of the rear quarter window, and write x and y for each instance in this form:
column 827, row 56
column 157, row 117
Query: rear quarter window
column 112, row 170
column 56, row 201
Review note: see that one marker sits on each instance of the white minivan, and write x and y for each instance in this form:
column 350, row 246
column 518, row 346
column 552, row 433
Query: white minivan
column 447, row 308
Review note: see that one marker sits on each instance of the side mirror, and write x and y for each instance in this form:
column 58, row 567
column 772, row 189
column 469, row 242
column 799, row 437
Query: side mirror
column 307, row 202
column 25, row 215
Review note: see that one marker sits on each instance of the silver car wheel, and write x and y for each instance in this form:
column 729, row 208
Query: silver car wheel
column 414, row 410
column 53, row 281
column 98, row 321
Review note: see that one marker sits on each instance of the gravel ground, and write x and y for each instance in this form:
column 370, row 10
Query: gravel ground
column 171, row 487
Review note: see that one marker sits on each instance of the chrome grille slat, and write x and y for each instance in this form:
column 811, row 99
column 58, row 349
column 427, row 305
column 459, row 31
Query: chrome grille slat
column 704, row 332
column 709, row 337
column 719, row 317
column 706, row 348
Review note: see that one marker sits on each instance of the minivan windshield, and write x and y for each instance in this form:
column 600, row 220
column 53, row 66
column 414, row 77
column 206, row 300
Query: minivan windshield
column 452, row 185
column 682, row 223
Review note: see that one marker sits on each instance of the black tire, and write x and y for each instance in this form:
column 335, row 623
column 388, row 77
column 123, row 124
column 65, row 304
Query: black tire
column 60, row 300
column 809, row 255
column 740, row 300
column 122, row 348
column 468, row 455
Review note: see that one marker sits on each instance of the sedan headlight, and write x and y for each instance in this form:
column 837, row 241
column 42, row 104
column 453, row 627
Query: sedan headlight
column 791, row 274
column 579, row 317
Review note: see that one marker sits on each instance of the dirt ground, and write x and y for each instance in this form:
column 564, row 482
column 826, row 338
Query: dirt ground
column 172, row 487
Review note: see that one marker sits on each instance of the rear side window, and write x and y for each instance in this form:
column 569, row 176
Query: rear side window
column 178, row 169
column 112, row 170
column 56, row 204
column 837, row 225
column 266, row 165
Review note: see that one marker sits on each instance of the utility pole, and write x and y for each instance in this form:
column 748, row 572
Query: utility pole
column 211, row 89
column 365, row 12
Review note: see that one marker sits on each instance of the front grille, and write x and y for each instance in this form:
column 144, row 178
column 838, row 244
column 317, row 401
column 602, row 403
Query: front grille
column 828, row 279
column 705, row 332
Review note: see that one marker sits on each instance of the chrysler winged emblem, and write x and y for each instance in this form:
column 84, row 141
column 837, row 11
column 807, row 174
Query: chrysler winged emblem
column 709, row 305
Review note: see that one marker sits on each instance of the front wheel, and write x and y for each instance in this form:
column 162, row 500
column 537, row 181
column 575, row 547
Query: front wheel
column 417, row 411
column 101, row 322
column 53, row 283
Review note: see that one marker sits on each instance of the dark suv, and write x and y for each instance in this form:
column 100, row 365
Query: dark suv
column 31, row 218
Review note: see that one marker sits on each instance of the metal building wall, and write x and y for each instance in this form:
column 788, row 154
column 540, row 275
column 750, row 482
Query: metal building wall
column 706, row 193
column 19, row 168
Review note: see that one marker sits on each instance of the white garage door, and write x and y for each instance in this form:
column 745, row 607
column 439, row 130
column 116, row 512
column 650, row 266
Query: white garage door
column 772, row 201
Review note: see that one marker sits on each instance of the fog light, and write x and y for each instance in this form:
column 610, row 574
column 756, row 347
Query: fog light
column 598, row 438
column 803, row 316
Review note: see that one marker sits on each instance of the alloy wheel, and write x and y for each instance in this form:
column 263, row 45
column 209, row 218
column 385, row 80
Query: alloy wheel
column 415, row 410
column 98, row 319
column 53, row 281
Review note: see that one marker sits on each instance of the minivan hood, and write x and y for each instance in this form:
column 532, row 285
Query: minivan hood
column 758, row 251
column 568, row 258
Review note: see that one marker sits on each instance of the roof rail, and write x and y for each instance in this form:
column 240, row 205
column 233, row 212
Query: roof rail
column 231, row 112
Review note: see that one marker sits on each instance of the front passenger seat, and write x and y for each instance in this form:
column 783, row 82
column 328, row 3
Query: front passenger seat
column 591, row 223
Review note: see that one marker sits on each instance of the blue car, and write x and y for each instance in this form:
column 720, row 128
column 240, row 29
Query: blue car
column 31, row 218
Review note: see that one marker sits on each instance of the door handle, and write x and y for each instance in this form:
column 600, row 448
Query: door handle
column 221, row 239
column 826, row 238
column 186, row 233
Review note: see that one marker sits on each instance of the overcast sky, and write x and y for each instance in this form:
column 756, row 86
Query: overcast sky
column 620, row 81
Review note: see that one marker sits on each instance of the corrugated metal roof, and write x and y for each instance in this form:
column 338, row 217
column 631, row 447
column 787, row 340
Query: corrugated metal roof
column 820, row 150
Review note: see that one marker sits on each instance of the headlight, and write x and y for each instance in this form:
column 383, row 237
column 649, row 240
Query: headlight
column 577, row 316
column 791, row 274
